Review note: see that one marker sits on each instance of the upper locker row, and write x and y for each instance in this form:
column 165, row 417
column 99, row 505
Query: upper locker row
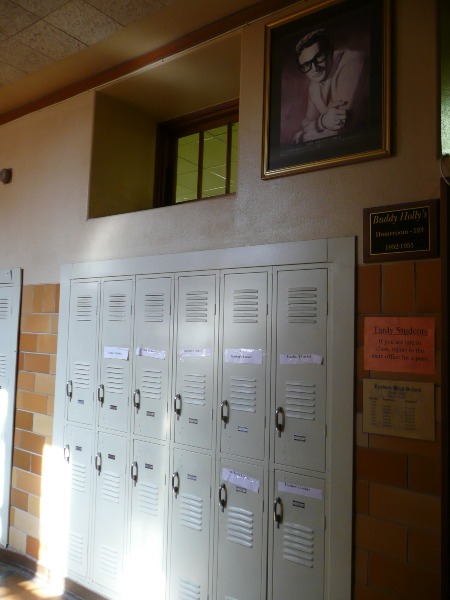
column 202, row 357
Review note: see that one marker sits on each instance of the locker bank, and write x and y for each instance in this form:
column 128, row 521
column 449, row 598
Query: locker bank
column 187, row 279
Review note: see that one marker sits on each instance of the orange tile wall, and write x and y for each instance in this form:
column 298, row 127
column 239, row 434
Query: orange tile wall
column 397, row 481
column 34, row 412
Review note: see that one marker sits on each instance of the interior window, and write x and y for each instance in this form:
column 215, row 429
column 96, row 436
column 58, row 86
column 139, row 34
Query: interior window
column 198, row 155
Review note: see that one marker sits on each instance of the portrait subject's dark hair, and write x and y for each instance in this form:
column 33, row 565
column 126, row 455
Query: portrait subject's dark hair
column 320, row 36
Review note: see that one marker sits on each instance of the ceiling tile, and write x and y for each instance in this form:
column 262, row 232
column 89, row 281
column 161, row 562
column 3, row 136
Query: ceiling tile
column 128, row 11
column 13, row 18
column 9, row 73
column 40, row 7
column 83, row 22
column 22, row 57
column 49, row 40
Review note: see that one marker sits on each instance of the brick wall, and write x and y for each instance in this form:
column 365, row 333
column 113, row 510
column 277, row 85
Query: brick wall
column 397, row 480
column 34, row 412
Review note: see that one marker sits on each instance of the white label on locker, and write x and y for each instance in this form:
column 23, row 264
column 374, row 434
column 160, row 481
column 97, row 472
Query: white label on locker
column 300, row 490
column 119, row 353
column 240, row 480
column 149, row 352
column 244, row 356
column 194, row 353
column 301, row 359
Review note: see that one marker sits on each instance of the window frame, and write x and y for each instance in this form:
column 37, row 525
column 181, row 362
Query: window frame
column 167, row 137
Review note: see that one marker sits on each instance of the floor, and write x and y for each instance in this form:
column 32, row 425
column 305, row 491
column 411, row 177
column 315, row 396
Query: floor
column 18, row 583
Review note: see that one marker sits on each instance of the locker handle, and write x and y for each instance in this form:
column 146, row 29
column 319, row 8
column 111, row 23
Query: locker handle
column 278, row 512
column 134, row 472
column 279, row 423
column 67, row 452
column 69, row 390
column 177, row 405
column 98, row 462
column 101, row 393
column 224, row 414
column 175, row 488
column 137, row 399
column 223, row 496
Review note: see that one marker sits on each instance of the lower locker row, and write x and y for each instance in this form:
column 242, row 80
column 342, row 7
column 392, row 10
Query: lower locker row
column 175, row 523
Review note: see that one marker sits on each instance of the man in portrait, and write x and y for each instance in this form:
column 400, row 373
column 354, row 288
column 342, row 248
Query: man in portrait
column 338, row 87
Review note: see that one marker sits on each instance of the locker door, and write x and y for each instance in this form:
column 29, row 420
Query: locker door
column 244, row 357
column 298, row 537
column 82, row 353
column 116, row 356
column 301, row 342
column 146, row 564
column 152, row 356
column 196, row 341
column 241, row 548
column 111, row 464
column 190, row 526
column 78, row 450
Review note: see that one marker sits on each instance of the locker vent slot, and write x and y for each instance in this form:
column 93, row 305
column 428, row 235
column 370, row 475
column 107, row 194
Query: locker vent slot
column 117, row 308
column 298, row 544
column 302, row 305
column 114, row 379
column 111, row 487
column 245, row 306
column 197, row 307
column 194, row 389
column 76, row 544
column 189, row 590
column 154, row 308
column 243, row 394
column 84, row 308
column 191, row 512
column 78, row 478
column 4, row 308
column 240, row 526
column 151, row 384
column 109, row 561
column 148, row 499
column 301, row 400
column 2, row 365
column 82, row 375
column 230, row 598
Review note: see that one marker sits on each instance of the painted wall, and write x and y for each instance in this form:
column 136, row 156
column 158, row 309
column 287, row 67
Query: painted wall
column 44, row 209
column 43, row 224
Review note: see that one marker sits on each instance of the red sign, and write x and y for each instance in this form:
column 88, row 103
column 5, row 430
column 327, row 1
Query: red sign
column 401, row 344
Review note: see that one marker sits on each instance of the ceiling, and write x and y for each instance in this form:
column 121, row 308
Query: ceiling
column 50, row 45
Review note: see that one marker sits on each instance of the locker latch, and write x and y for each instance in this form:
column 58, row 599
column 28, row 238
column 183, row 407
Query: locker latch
column 134, row 472
column 224, row 413
column 69, row 390
column 177, row 405
column 67, row 452
column 223, row 496
column 137, row 399
column 175, row 483
column 278, row 512
column 98, row 462
column 101, row 393
column 279, row 420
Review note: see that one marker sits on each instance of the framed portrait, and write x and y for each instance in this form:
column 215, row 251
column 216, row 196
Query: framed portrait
column 327, row 87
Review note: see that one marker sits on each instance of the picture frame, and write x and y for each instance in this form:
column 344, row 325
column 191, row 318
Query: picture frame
column 327, row 87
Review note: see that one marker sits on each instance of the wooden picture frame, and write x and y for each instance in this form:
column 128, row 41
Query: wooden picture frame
column 327, row 87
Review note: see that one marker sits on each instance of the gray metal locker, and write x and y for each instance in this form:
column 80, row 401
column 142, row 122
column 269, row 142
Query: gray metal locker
column 191, row 528
column 111, row 465
column 146, row 561
column 301, row 368
column 195, row 360
column 241, row 543
column 113, row 392
column 82, row 353
column 298, row 551
column 152, row 357
column 78, row 454
column 244, row 364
